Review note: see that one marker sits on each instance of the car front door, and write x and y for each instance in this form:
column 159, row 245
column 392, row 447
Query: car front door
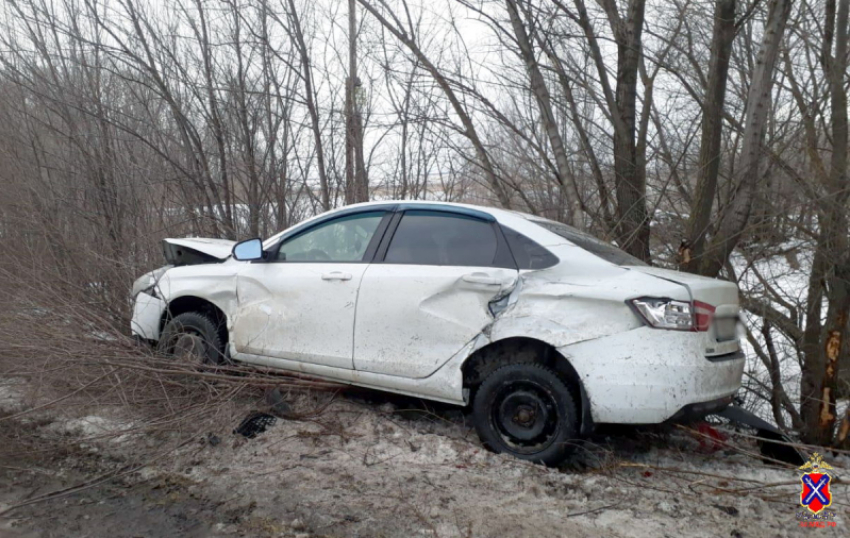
column 300, row 303
column 429, row 294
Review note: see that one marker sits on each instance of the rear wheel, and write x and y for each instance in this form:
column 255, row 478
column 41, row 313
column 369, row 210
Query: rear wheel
column 527, row 411
column 192, row 338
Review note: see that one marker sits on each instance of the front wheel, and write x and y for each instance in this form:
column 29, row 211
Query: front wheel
column 193, row 338
column 527, row 411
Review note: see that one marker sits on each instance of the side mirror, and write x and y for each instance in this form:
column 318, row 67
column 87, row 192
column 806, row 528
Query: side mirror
column 248, row 250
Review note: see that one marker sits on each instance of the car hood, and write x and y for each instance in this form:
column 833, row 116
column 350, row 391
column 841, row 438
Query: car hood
column 196, row 250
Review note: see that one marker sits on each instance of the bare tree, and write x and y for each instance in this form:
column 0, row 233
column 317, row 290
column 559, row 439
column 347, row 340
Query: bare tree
column 630, row 176
column 824, row 343
column 469, row 129
column 712, row 126
column 734, row 218
column 356, row 183
column 126, row 121
column 544, row 102
column 297, row 34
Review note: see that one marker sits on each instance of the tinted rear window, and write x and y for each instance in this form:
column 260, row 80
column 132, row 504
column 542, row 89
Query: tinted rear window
column 434, row 238
column 606, row 251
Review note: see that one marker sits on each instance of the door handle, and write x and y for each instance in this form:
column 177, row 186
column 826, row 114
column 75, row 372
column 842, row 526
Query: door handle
column 336, row 275
column 481, row 278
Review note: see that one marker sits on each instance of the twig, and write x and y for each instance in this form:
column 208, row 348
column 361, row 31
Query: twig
column 127, row 469
column 57, row 400
column 601, row 508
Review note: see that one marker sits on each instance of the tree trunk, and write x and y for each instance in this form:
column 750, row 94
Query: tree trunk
column 712, row 127
column 547, row 116
column 356, row 184
column 826, row 350
column 736, row 216
column 629, row 175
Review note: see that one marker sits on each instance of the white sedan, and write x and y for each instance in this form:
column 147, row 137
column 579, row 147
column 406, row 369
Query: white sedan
column 543, row 330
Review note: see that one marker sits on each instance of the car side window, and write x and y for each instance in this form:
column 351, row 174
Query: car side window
column 527, row 253
column 435, row 238
column 340, row 240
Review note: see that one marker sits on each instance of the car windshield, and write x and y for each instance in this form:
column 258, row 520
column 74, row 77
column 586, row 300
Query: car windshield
column 606, row 251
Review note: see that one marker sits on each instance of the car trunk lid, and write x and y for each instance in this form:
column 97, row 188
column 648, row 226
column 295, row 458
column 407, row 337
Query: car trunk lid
column 196, row 250
column 721, row 338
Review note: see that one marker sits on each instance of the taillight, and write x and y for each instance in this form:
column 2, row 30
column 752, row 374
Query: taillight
column 703, row 316
column 674, row 315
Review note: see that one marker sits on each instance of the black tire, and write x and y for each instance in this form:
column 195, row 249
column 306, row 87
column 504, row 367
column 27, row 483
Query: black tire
column 527, row 411
column 193, row 337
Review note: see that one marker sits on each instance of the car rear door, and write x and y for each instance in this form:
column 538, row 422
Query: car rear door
column 428, row 293
column 300, row 304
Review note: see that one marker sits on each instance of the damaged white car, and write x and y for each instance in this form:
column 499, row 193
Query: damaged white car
column 543, row 330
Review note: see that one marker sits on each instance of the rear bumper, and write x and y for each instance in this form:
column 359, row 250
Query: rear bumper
column 697, row 411
column 649, row 376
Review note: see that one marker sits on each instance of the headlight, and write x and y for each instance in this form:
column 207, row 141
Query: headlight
column 665, row 313
column 147, row 282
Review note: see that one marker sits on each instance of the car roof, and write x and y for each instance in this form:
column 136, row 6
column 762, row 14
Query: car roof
column 524, row 223
column 428, row 204
column 521, row 222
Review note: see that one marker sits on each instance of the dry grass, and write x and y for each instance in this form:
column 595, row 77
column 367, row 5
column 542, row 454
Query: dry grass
column 76, row 358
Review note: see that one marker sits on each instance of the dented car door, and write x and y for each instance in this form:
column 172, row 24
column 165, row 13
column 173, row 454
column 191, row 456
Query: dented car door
column 429, row 294
column 300, row 303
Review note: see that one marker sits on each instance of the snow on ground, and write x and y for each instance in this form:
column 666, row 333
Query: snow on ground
column 12, row 395
column 765, row 278
column 363, row 470
column 362, row 467
column 16, row 395
column 93, row 427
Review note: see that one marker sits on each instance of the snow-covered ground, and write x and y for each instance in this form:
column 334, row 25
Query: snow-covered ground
column 366, row 465
column 362, row 470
